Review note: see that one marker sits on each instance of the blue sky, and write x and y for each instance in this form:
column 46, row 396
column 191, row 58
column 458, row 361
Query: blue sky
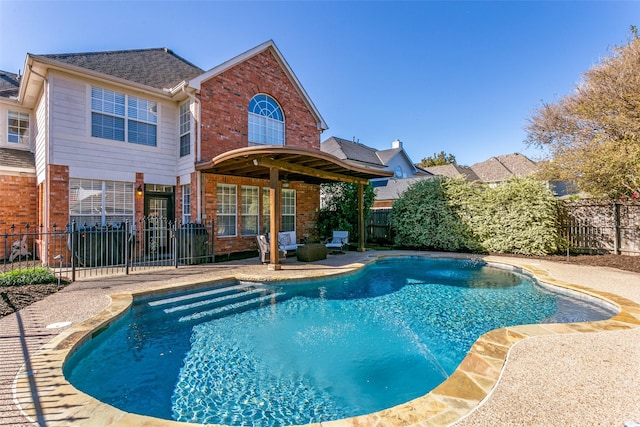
column 463, row 77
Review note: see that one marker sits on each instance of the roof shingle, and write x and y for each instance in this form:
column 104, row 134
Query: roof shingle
column 9, row 84
column 158, row 68
column 16, row 158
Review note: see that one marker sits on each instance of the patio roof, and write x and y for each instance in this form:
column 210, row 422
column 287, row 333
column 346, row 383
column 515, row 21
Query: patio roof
column 293, row 163
column 275, row 163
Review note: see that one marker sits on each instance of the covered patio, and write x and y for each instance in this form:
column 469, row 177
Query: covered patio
column 275, row 164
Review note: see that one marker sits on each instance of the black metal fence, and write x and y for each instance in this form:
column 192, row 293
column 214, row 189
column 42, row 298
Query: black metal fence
column 78, row 251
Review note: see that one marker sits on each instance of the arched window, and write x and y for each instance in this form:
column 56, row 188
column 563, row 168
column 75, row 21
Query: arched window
column 266, row 121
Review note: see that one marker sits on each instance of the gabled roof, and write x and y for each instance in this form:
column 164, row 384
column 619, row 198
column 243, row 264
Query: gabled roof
column 502, row 168
column 350, row 150
column 196, row 81
column 386, row 155
column 395, row 187
column 21, row 159
column 158, row 68
column 9, row 84
column 453, row 171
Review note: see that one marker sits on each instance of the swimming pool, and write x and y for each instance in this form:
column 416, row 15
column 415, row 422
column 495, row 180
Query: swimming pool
column 161, row 354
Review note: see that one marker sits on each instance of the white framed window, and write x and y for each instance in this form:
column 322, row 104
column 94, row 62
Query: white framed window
column 18, row 128
column 266, row 209
column 250, row 219
column 115, row 115
column 288, row 207
column 227, row 210
column 288, row 210
column 266, row 121
column 94, row 202
column 185, row 130
column 186, row 204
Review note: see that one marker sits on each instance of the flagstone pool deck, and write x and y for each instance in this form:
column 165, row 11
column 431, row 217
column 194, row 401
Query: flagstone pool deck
column 535, row 375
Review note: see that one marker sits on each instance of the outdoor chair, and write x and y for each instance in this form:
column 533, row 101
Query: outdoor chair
column 264, row 251
column 338, row 241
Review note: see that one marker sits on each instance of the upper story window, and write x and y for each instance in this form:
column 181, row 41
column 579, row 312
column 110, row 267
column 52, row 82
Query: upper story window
column 185, row 130
column 18, row 130
column 115, row 115
column 266, row 121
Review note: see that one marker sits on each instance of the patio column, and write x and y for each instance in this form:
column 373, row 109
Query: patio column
column 361, row 247
column 274, row 217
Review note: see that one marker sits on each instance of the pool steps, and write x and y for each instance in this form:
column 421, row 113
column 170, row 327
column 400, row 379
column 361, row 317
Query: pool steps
column 216, row 302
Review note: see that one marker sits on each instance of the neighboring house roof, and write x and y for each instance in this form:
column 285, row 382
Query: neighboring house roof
column 21, row 159
column 386, row 155
column 360, row 153
column 501, row 168
column 9, row 84
column 453, row 171
column 395, row 187
column 159, row 68
column 351, row 150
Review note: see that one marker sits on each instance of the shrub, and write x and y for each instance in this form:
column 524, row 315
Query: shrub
column 27, row 276
column 431, row 213
column 519, row 216
column 339, row 209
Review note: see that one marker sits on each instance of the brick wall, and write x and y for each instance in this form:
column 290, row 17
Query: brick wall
column 307, row 205
column 19, row 207
column 225, row 102
column 19, row 201
column 57, row 195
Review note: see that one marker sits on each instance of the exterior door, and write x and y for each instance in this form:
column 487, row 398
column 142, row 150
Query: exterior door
column 160, row 218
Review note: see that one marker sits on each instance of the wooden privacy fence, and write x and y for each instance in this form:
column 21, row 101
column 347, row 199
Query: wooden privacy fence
column 602, row 227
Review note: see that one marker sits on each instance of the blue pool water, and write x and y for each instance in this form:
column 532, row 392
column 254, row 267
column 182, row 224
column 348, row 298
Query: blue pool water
column 272, row 355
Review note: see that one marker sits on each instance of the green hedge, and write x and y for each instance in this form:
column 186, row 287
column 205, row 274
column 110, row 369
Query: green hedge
column 430, row 215
column 27, row 276
column 519, row 216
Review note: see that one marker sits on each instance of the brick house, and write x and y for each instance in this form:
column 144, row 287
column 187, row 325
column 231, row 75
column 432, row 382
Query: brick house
column 106, row 137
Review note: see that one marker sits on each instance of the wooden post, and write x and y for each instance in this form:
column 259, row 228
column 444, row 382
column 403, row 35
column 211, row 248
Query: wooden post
column 361, row 247
column 616, row 229
column 274, row 218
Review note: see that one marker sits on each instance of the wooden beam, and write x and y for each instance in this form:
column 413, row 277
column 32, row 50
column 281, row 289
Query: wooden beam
column 289, row 167
column 274, row 218
column 361, row 247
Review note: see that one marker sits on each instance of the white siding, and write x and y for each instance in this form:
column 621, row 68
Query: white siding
column 40, row 137
column 186, row 164
column 400, row 160
column 86, row 156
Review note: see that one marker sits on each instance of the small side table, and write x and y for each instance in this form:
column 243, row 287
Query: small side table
column 311, row 252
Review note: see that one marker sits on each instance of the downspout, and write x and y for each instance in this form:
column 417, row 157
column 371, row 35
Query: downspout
column 197, row 129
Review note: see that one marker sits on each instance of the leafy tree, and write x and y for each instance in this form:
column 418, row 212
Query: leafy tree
column 339, row 209
column 438, row 159
column 593, row 134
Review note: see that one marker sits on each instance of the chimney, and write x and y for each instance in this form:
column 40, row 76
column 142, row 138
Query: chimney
column 396, row 144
